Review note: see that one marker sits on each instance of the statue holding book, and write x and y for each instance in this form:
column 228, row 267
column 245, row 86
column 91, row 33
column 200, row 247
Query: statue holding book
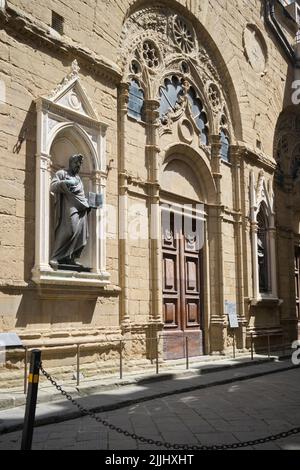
column 71, row 216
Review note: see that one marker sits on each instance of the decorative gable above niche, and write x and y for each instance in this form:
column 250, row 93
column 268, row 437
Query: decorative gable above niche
column 67, row 124
column 71, row 95
column 68, row 102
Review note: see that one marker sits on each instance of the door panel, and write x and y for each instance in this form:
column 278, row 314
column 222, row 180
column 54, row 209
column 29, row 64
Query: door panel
column 182, row 290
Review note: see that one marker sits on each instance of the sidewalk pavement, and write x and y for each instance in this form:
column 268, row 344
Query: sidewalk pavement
column 112, row 393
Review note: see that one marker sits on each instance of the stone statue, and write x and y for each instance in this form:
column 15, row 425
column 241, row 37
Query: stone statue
column 261, row 252
column 71, row 216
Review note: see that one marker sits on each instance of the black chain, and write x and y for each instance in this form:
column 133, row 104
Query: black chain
column 167, row 445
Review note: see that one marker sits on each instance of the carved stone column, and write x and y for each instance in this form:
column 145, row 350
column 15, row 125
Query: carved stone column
column 98, row 229
column 123, row 210
column 42, row 197
column 152, row 156
column 218, row 321
column 236, row 155
column 254, row 232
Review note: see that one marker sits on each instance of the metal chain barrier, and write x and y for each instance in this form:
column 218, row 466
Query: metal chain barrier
column 167, row 445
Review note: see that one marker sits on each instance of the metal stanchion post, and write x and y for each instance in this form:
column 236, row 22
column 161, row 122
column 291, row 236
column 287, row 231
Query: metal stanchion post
column 121, row 359
column 187, row 352
column 157, row 367
column 252, row 354
column 78, row 364
column 25, row 369
column 33, row 383
column 233, row 345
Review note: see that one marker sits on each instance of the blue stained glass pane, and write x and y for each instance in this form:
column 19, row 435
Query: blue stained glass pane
column 204, row 137
column 201, row 123
column 169, row 95
column 135, row 101
column 224, row 147
column 195, row 104
column 172, row 90
column 164, row 105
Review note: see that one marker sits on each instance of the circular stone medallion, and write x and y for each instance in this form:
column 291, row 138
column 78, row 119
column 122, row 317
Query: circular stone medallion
column 186, row 131
column 255, row 48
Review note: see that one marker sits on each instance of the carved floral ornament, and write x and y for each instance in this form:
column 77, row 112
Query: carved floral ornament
column 157, row 43
column 171, row 35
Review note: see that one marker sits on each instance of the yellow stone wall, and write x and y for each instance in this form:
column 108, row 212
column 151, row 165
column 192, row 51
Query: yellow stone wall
column 94, row 33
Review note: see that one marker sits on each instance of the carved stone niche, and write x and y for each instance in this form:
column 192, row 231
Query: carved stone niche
column 68, row 125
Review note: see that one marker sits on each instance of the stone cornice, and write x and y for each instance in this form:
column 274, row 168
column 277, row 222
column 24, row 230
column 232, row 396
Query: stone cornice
column 22, row 26
column 260, row 159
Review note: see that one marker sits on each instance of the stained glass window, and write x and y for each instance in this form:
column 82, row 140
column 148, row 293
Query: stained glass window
column 225, row 146
column 199, row 115
column 169, row 95
column 136, row 100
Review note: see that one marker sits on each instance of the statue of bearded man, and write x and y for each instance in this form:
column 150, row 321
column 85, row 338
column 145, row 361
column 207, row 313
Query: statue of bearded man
column 71, row 211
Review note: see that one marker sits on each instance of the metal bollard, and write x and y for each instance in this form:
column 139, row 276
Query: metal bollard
column 121, row 359
column 187, row 353
column 233, row 345
column 157, row 367
column 252, row 354
column 33, row 383
column 25, row 369
column 78, row 364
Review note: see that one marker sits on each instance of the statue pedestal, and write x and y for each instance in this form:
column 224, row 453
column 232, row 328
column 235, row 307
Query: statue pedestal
column 69, row 276
column 77, row 268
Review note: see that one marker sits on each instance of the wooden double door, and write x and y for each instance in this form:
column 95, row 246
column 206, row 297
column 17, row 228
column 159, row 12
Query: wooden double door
column 182, row 285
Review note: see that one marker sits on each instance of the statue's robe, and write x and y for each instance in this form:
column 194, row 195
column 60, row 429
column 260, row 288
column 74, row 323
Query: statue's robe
column 71, row 224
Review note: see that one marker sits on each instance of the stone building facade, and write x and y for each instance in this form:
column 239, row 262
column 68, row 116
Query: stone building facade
column 183, row 111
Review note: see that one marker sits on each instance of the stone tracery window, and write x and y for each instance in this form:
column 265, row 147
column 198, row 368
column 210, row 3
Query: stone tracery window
column 225, row 143
column 169, row 95
column 199, row 115
column 183, row 35
column 172, row 95
column 150, row 54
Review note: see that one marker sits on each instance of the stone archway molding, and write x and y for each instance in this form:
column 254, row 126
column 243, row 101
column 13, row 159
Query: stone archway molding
column 198, row 162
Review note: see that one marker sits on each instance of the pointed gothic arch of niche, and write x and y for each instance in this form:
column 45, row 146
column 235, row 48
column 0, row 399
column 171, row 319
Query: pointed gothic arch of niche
column 151, row 48
column 69, row 139
column 263, row 238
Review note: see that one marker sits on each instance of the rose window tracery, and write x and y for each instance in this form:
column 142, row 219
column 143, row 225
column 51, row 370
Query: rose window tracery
column 183, row 35
column 150, row 54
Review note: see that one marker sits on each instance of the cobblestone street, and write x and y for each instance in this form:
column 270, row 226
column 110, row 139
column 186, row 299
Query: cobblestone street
column 226, row 414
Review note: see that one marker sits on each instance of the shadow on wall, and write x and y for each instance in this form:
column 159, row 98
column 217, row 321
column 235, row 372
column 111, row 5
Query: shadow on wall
column 34, row 307
column 27, row 139
column 31, row 305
